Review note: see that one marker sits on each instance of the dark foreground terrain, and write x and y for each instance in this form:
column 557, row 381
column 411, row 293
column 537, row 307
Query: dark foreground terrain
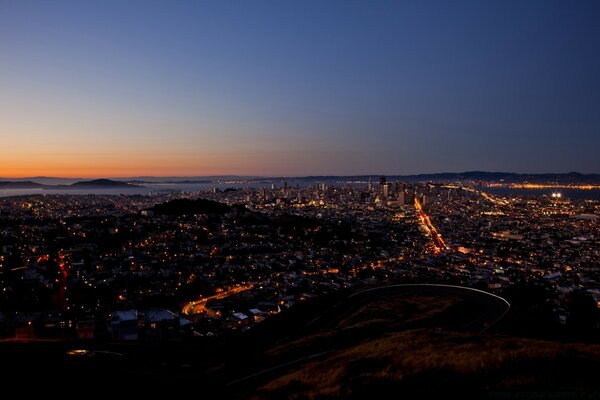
column 383, row 343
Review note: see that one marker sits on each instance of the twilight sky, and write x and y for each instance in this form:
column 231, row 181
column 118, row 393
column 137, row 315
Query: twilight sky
column 127, row 88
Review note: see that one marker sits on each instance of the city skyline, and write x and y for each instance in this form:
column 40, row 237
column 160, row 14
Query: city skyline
column 295, row 89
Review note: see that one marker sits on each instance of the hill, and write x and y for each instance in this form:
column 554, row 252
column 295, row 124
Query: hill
column 388, row 344
column 20, row 185
column 188, row 206
column 417, row 343
column 510, row 177
column 102, row 183
column 564, row 178
column 440, row 362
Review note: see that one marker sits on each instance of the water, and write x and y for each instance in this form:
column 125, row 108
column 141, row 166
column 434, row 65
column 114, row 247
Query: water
column 575, row 194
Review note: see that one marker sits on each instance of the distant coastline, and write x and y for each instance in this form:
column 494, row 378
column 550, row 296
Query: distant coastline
column 559, row 179
column 572, row 185
column 91, row 184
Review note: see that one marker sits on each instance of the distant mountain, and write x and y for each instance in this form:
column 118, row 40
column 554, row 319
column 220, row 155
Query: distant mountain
column 482, row 176
column 20, row 185
column 564, row 178
column 93, row 184
column 101, row 183
column 187, row 179
column 174, row 182
column 570, row 177
column 43, row 180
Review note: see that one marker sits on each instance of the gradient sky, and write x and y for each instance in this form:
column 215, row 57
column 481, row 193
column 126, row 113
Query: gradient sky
column 128, row 88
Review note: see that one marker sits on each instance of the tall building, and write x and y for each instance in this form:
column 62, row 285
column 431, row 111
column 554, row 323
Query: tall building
column 284, row 189
column 385, row 190
column 401, row 198
column 382, row 182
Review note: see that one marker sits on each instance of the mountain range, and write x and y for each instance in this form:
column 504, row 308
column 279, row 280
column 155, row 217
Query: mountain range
column 92, row 184
column 570, row 177
column 136, row 182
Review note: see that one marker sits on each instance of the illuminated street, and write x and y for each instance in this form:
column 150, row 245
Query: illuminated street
column 438, row 242
column 199, row 306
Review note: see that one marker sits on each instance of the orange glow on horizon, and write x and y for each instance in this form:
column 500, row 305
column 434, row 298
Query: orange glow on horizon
column 101, row 171
column 69, row 173
column 96, row 166
column 94, row 173
column 129, row 156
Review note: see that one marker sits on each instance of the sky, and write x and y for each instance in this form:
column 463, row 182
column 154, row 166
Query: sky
column 293, row 88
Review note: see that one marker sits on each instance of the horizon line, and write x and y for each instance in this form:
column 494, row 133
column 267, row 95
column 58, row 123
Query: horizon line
column 287, row 176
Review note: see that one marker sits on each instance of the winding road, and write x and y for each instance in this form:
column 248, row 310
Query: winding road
column 478, row 312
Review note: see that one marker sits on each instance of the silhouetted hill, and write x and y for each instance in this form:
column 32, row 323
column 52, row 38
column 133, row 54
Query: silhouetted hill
column 99, row 183
column 565, row 178
column 402, row 346
column 571, row 177
column 440, row 363
column 20, row 185
column 187, row 206
column 481, row 176
column 383, row 346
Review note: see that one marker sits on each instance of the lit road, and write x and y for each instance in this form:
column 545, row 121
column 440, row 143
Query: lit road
column 199, row 306
column 438, row 242
column 493, row 199
column 488, row 197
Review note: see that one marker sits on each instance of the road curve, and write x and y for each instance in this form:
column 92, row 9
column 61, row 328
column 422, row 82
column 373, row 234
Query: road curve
column 485, row 309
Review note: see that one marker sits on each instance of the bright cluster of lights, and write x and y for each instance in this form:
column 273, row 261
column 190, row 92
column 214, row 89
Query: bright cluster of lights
column 556, row 195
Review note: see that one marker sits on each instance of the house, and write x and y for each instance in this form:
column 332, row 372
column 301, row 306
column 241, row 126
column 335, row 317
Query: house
column 85, row 329
column 161, row 325
column 257, row 315
column 237, row 320
column 124, row 325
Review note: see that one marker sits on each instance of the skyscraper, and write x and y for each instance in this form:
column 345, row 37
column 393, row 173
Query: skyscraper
column 401, row 198
column 386, row 190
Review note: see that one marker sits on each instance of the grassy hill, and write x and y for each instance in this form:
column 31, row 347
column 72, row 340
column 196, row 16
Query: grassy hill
column 408, row 344
column 439, row 362
column 392, row 348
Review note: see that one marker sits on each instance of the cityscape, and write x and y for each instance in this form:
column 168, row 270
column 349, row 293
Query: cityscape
column 307, row 200
column 213, row 266
column 215, row 262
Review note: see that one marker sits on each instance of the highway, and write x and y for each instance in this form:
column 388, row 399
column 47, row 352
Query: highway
column 487, row 196
column 438, row 242
column 197, row 307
